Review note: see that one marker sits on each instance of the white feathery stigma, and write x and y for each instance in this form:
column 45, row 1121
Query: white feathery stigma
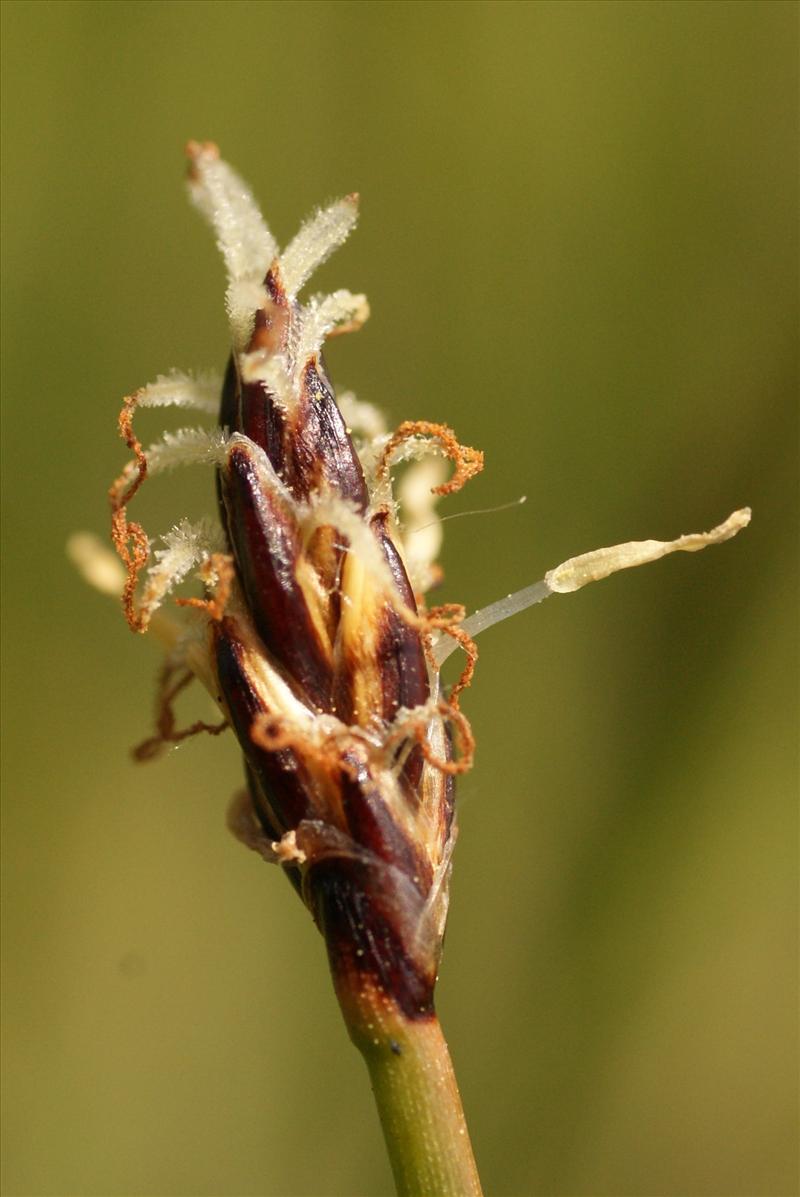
column 324, row 232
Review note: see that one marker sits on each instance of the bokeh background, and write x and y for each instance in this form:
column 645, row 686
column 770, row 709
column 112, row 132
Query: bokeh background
column 578, row 239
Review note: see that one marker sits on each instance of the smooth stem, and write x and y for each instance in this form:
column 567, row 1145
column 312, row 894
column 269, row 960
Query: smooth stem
column 419, row 1107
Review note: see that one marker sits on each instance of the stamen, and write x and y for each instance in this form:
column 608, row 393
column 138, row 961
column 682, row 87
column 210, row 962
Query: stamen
column 102, row 569
column 418, row 503
column 576, row 572
column 592, row 567
column 186, row 645
column 479, row 621
column 97, row 565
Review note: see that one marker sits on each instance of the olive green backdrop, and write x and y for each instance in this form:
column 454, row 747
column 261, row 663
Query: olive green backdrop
column 578, row 240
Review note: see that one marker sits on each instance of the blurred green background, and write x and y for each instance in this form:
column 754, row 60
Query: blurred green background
column 578, row 240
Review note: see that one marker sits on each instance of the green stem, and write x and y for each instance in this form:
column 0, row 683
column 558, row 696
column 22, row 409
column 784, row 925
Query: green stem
column 418, row 1103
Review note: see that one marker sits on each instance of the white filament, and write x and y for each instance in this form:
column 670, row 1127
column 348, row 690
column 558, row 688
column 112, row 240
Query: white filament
column 496, row 612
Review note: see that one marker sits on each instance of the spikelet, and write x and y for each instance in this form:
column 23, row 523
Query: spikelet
column 311, row 632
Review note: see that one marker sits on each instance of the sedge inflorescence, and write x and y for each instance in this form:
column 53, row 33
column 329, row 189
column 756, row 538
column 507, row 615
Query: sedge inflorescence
column 311, row 631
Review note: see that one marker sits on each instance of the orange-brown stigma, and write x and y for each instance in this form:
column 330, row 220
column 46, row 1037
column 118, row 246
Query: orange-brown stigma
column 467, row 461
column 130, row 539
column 172, row 681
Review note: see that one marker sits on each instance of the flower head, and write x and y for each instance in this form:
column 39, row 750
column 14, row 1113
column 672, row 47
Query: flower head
column 312, row 633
